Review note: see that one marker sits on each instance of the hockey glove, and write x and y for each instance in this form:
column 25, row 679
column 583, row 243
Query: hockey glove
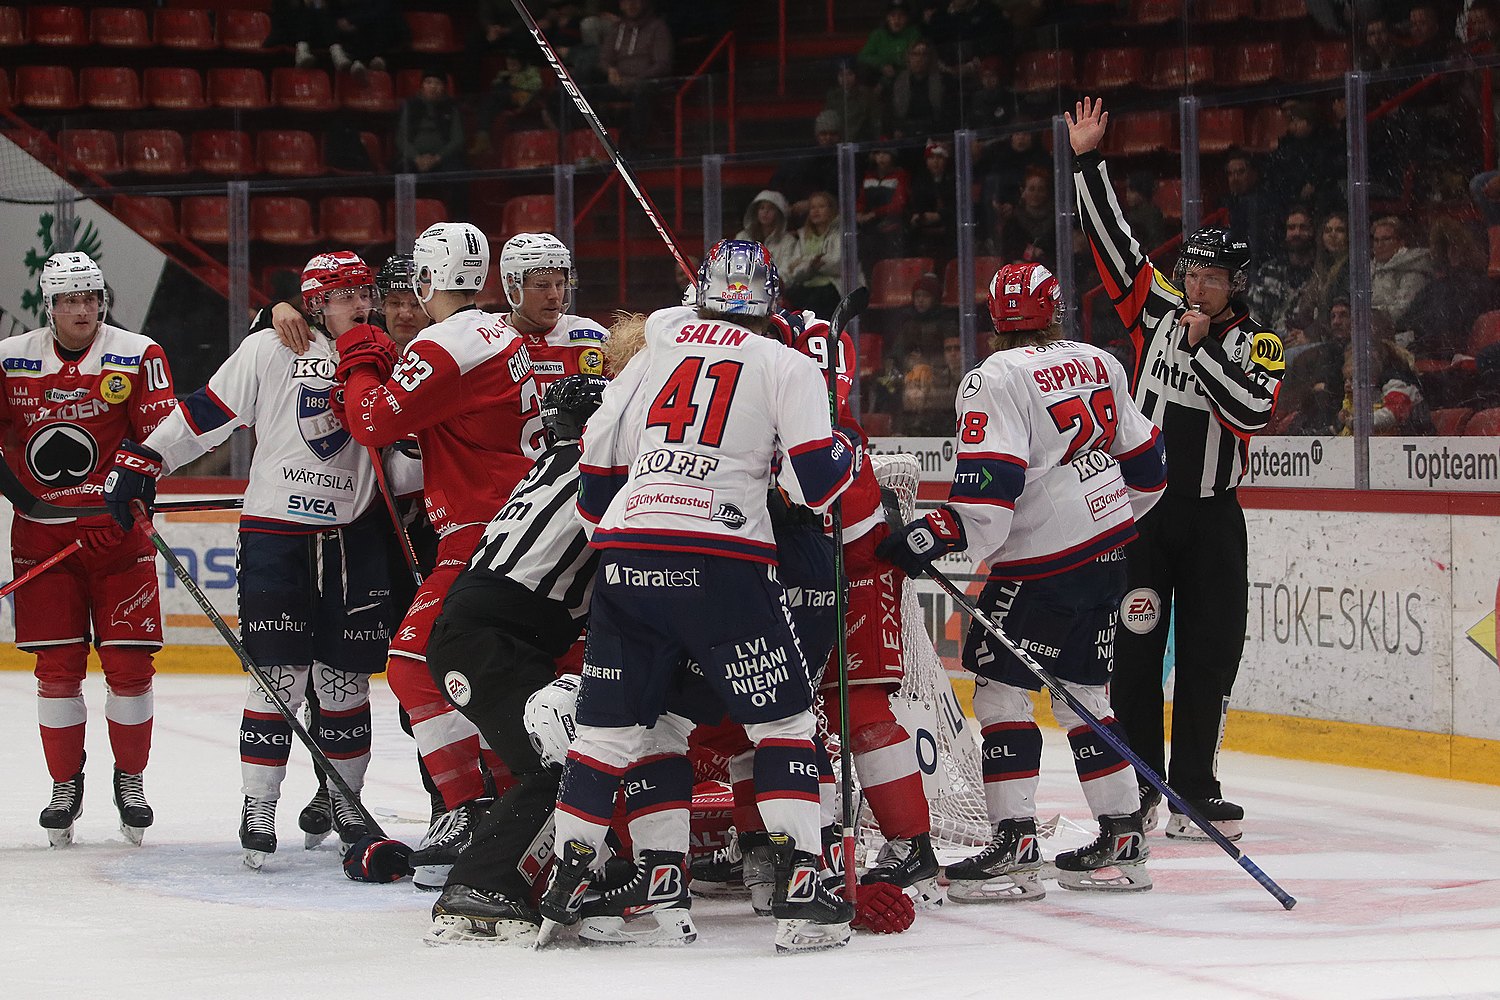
column 856, row 453
column 914, row 547
column 99, row 533
column 336, row 405
column 133, row 477
column 366, row 345
column 371, row 859
column 882, row 908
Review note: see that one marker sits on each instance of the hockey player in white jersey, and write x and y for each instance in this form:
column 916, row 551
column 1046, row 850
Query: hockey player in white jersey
column 1055, row 462
column 676, row 466
column 313, row 581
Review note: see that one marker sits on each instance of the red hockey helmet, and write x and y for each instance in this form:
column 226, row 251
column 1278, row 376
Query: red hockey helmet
column 331, row 272
column 1024, row 297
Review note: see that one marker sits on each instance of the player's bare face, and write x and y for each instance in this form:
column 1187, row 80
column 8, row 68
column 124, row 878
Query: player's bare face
column 543, row 293
column 347, row 308
column 1207, row 288
column 75, row 317
column 404, row 318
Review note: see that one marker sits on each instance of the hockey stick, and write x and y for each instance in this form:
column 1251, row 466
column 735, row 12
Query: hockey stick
column 34, row 507
column 1115, row 743
column 851, row 306
column 320, row 759
column 40, row 568
column 626, row 174
column 390, row 506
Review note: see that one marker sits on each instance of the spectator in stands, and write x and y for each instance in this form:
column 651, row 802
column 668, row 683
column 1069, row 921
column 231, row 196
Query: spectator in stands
column 566, row 27
column 1479, row 25
column 365, row 32
column 1146, row 220
column 429, row 131
column 884, row 52
column 919, row 102
column 1253, row 214
column 881, row 207
column 798, row 177
column 1031, row 221
column 816, row 269
column 307, row 25
column 963, row 32
column 990, row 105
column 928, row 390
column 637, row 54
column 1442, row 314
column 1278, row 282
column 1400, row 407
column 765, row 223
column 497, row 29
column 1330, row 277
column 921, row 326
column 1398, row 271
column 1427, row 44
column 858, row 107
column 1307, row 166
column 932, row 226
column 512, row 100
column 1381, row 50
column 1004, row 163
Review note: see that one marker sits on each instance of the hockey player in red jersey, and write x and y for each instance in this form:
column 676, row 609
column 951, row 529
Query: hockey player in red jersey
column 465, row 389
column 1055, row 462
column 536, row 274
column 73, row 390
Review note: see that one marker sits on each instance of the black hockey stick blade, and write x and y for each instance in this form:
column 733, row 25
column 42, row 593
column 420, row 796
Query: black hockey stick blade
column 34, row 507
column 851, row 306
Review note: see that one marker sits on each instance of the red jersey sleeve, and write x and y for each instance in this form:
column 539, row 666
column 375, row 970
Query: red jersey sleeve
column 424, row 389
column 155, row 400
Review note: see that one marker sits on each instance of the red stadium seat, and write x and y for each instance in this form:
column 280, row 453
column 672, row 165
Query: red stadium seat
column 94, row 150
column 11, row 31
column 1110, row 69
column 1168, row 198
column 1485, row 423
column 119, row 27
column 115, row 88
column 289, row 153
column 223, row 153
column 891, row 281
column 432, row 33
column 1044, row 70
column 184, row 29
column 1139, row 133
column 1485, row 332
column 1155, row 11
column 1450, row 422
column 584, row 147
column 375, row 92
column 244, row 30
column 237, row 87
column 1177, row 67
column 1220, row 129
column 34, row 144
column 1266, row 129
column 430, row 211
column 156, row 152
column 206, row 219
column 1494, row 266
column 56, row 26
column 48, row 88
column 283, row 221
column 178, row 89
column 871, row 353
column 984, row 270
column 1223, row 11
column 351, row 221
column 530, row 148
column 151, row 217
column 876, row 424
column 531, row 213
column 1322, row 61
column 1249, row 64
column 1281, row 10
column 409, row 81
column 4, row 89
column 302, row 89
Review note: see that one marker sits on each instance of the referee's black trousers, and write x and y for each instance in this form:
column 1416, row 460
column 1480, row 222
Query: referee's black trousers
column 1193, row 554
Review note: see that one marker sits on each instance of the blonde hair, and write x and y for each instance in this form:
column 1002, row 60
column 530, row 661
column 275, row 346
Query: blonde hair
column 627, row 335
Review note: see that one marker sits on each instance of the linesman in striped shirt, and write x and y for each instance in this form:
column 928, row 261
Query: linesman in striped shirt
column 1207, row 374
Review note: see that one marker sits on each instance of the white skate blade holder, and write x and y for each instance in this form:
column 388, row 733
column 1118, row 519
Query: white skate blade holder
column 133, row 833
column 312, row 841
column 60, row 838
column 254, row 859
column 1012, row 887
column 430, row 878
column 805, row 935
column 1111, row 878
column 1179, row 827
column 671, row 926
column 450, row 930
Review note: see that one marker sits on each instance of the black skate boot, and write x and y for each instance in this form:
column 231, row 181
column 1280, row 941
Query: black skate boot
column 759, row 869
column 347, row 821
column 465, row 915
column 258, row 830
column 1115, row 862
column 135, row 812
column 316, row 818
column 909, row 864
column 809, row 917
column 441, row 845
column 570, row 881
column 1150, row 799
column 1009, row 870
column 1225, row 816
column 64, row 809
column 721, row 873
column 650, row 905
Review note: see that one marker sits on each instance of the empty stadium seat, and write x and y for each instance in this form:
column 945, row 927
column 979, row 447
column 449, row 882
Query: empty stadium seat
column 1485, row 423
column 5, row 100
column 184, row 29
column 56, row 26
column 1179, row 66
column 282, row 220
column 1044, row 70
column 1140, row 132
column 177, row 89
column 1322, row 61
column 116, row 88
column 984, row 270
column 876, row 424
column 1280, row 10
column 289, row 153
column 531, row 213
column 244, row 30
column 891, row 281
column 1494, row 265
column 1266, row 129
column 1168, row 197
column 49, row 88
column 1484, row 333
column 528, row 148
column 1249, row 64
column 1220, row 129
column 302, row 89
column 11, row 30
column 1155, row 11
column 374, row 92
column 237, row 87
column 119, row 27
column 1221, row 11
column 583, row 145
column 151, row 217
column 157, row 152
column 33, row 143
column 223, row 153
column 90, row 149
column 351, row 221
column 432, row 33
column 871, row 354
column 1110, row 69
column 1450, row 422
column 205, row 219
column 430, row 211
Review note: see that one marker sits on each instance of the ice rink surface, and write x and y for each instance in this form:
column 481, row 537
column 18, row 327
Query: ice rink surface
column 1397, row 877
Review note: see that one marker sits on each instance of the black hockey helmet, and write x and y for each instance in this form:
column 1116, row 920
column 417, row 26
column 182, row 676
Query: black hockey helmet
column 397, row 272
column 568, row 404
column 1212, row 247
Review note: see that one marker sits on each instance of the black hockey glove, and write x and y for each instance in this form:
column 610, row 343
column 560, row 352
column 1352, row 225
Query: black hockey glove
column 133, row 477
column 914, row 547
column 371, row 859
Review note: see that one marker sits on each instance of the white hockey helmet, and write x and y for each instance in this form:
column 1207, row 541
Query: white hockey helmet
column 548, row 718
column 737, row 277
column 450, row 256
column 66, row 273
column 525, row 252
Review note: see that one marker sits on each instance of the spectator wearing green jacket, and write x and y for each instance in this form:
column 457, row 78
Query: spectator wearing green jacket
column 884, row 54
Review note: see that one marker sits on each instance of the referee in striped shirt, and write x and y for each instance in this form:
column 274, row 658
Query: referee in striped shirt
column 1207, row 374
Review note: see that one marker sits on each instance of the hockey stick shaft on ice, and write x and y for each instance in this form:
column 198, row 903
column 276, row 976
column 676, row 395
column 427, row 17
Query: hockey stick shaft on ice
column 402, row 538
column 320, row 759
column 34, row 507
column 610, row 150
column 40, row 568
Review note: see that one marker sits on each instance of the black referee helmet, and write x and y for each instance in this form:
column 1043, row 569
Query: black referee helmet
column 1210, row 247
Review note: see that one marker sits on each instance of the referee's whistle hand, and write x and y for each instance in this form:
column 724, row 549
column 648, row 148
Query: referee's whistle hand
column 1196, row 325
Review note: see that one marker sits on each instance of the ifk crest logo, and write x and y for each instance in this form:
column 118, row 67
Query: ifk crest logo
column 50, row 231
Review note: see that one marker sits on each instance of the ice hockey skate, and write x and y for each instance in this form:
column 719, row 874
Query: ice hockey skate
column 257, row 830
column 316, row 818
column 648, row 904
column 809, row 917
column 1114, row 862
column 1008, row 870
column 910, row 865
column 1225, row 816
column 441, row 845
column 464, row 915
column 64, row 809
column 570, row 881
column 759, row 870
column 1150, row 799
column 135, row 811
column 721, row 873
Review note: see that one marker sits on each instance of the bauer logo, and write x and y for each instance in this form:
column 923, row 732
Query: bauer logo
column 456, row 686
column 1140, row 609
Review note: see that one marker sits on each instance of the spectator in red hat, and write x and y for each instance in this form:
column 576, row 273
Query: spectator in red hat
column 931, row 226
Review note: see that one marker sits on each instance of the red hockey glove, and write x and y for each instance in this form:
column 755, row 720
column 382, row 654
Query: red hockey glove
column 914, row 547
column 371, row 859
column 366, row 345
column 883, row 908
column 99, row 533
column 336, row 405
column 133, row 477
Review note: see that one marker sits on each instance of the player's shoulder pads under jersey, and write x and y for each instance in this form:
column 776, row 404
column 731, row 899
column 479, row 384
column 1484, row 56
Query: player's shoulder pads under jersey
column 470, row 337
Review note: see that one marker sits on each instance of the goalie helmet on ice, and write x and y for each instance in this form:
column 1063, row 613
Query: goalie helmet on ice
column 527, row 252
column 67, row 273
column 450, row 256
column 738, row 277
column 331, row 274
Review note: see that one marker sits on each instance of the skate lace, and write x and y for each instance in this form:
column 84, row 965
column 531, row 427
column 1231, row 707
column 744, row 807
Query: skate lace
column 260, row 816
column 64, row 794
column 130, row 790
column 450, row 827
column 892, row 856
column 344, row 813
column 730, row 852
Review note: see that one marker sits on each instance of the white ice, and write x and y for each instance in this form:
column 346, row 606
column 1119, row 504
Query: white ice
column 1397, row 877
